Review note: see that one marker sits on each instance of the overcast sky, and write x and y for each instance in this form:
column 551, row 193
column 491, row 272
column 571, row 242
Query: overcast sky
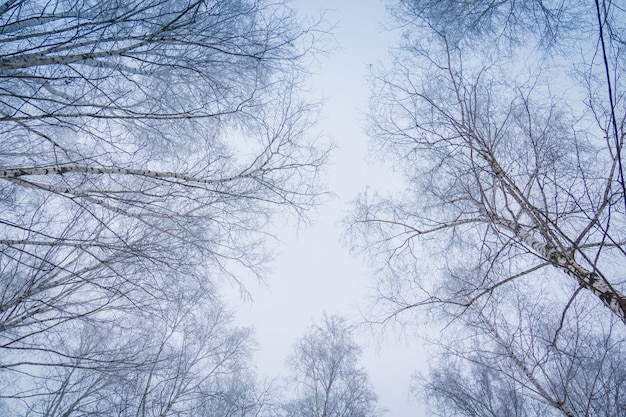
column 314, row 273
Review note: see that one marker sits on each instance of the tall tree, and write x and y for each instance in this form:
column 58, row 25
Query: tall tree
column 507, row 120
column 329, row 382
column 145, row 146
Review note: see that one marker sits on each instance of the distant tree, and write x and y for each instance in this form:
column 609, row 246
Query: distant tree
column 145, row 146
column 507, row 120
column 534, row 365
column 465, row 389
column 185, row 363
column 328, row 380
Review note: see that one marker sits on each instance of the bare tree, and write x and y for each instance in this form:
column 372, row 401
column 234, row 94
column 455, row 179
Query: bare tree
column 329, row 382
column 184, row 363
column 532, row 364
column 464, row 389
column 145, row 147
column 508, row 128
column 499, row 168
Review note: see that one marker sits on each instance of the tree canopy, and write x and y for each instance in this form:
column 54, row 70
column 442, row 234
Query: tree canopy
column 145, row 147
column 507, row 121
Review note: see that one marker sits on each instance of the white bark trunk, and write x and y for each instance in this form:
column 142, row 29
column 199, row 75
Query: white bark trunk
column 18, row 172
column 590, row 280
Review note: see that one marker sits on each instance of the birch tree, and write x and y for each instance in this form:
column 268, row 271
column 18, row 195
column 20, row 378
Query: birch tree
column 182, row 363
column 145, row 147
column 329, row 382
column 506, row 120
column 536, row 363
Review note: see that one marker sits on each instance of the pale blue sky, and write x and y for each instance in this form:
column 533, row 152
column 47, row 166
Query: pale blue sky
column 314, row 272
